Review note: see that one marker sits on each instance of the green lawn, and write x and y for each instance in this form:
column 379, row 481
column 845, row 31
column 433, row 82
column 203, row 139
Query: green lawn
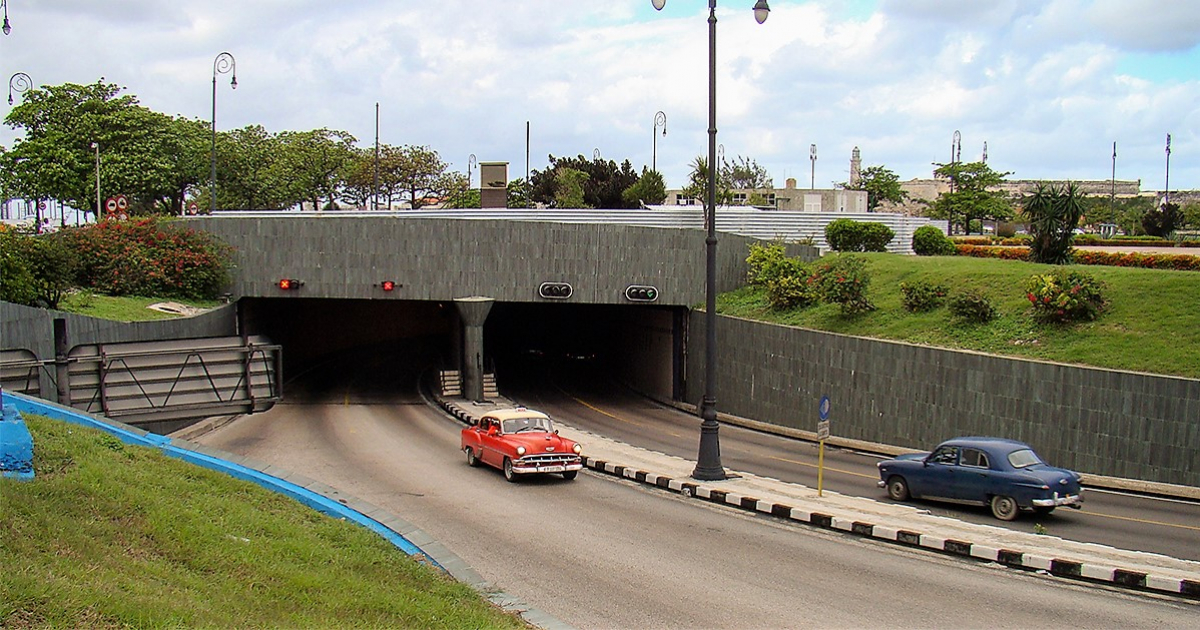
column 124, row 309
column 110, row 535
column 1152, row 323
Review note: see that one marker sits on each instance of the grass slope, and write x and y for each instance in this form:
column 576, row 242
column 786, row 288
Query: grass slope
column 1152, row 323
column 112, row 535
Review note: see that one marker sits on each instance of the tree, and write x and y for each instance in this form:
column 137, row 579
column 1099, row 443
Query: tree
column 650, row 189
column 150, row 158
column 459, row 193
column 518, row 194
column 1163, row 220
column 605, row 184
column 569, row 193
column 697, row 186
column 880, row 184
column 416, row 174
column 319, row 162
column 971, row 194
column 253, row 171
column 744, row 174
column 1053, row 213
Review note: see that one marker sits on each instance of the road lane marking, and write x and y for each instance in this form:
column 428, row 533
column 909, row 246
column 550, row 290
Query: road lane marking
column 1141, row 520
column 605, row 413
column 844, row 472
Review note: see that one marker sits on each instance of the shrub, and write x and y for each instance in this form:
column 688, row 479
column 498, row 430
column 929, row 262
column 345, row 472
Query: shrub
column 930, row 241
column 765, row 262
column 1163, row 220
column 922, row 295
column 847, row 235
column 1065, row 296
column 972, row 306
column 796, row 288
column 152, row 256
column 843, row 280
column 17, row 284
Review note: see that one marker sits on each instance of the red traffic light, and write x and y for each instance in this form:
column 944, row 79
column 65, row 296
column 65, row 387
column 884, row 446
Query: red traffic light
column 290, row 284
column 387, row 285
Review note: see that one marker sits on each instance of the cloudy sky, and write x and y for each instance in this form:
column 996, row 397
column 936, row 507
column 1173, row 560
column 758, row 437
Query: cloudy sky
column 1048, row 85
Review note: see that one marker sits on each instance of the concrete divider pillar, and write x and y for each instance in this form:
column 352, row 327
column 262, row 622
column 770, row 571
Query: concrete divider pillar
column 474, row 312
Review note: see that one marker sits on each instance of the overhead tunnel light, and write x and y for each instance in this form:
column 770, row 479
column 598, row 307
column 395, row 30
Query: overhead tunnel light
column 388, row 285
column 641, row 293
column 555, row 290
column 290, row 284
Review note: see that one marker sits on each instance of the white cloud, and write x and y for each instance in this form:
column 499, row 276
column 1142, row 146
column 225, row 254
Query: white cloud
column 1048, row 84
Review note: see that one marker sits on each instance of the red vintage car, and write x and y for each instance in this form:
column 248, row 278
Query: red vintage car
column 521, row 442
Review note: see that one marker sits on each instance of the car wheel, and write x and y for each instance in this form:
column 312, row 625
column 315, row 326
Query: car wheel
column 897, row 488
column 1042, row 511
column 1005, row 508
column 570, row 474
column 471, row 459
column 508, row 470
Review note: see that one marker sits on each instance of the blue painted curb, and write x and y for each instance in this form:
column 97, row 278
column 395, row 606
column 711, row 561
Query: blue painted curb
column 132, row 435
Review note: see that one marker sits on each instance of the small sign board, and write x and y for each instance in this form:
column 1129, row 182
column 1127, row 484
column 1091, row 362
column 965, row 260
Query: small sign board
column 823, row 413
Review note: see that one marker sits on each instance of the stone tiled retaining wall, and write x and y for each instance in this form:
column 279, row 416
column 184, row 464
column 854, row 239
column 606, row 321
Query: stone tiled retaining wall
column 1104, row 422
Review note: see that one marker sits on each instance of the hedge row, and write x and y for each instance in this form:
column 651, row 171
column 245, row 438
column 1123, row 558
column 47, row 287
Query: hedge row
column 1179, row 262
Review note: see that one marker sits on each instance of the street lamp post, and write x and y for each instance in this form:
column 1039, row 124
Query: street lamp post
column 96, row 146
column 1167, row 192
column 7, row 27
column 660, row 120
column 812, row 159
column 708, row 464
column 224, row 63
column 18, row 82
column 471, row 162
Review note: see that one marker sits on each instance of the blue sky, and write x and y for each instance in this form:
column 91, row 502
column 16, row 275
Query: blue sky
column 1049, row 85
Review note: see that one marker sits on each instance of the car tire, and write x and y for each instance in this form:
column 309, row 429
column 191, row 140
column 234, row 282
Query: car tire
column 570, row 474
column 1005, row 508
column 897, row 488
column 508, row 471
column 472, row 461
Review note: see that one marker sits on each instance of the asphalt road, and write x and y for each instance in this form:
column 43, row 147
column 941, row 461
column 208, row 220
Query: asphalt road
column 600, row 552
column 1140, row 523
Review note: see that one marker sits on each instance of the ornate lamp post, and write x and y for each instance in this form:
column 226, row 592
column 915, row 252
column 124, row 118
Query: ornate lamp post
column 19, row 82
column 708, row 464
column 660, row 120
column 7, row 27
column 471, row 162
column 223, row 64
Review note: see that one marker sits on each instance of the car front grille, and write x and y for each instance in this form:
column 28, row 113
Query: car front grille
column 548, row 459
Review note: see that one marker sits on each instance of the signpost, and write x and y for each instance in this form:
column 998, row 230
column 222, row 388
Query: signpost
column 822, row 435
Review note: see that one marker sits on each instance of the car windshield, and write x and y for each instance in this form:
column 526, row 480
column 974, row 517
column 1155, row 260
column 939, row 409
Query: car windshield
column 519, row 425
column 1023, row 458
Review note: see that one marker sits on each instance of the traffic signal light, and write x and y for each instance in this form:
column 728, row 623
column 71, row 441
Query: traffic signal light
column 290, row 284
column 555, row 290
column 641, row 293
column 388, row 285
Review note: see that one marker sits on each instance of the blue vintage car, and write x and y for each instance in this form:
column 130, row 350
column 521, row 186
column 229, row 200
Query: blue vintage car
column 1003, row 474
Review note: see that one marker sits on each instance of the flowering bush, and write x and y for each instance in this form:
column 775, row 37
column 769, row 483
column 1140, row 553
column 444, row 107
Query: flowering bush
column 795, row 289
column 1065, row 296
column 922, row 295
column 766, row 263
column 843, row 280
column 150, row 257
column 972, row 306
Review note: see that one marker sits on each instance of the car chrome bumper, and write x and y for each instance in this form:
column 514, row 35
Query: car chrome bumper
column 548, row 468
column 1070, row 500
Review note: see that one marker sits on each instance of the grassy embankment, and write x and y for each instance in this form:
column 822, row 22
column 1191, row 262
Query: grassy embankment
column 111, row 535
column 1152, row 323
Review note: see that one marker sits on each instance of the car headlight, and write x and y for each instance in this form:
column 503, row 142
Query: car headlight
column 520, row 451
column 578, row 449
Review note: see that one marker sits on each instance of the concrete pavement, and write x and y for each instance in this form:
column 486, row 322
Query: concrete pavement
column 889, row 522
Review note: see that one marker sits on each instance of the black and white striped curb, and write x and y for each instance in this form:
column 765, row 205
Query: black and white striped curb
column 1009, row 557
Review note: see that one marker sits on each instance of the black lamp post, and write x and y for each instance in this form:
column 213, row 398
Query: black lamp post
column 812, row 160
column 223, row 64
column 472, row 162
column 7, row 27
column 96, row 146
column 708, row 464
column 19, row 82
column 660, row 120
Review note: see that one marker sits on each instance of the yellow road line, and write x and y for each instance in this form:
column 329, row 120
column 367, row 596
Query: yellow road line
column 1141, row 520
column 844, row 472
column 605, row 413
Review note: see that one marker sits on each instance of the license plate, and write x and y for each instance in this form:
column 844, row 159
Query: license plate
column 551, row 469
